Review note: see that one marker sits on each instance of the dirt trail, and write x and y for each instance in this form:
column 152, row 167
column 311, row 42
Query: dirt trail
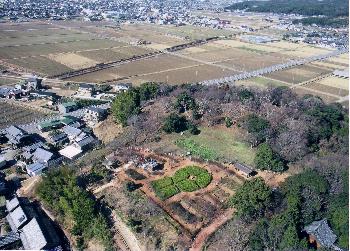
column 203, row 235
column 128, row 236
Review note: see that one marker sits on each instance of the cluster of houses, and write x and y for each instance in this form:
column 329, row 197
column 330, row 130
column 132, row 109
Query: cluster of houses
column 23, row 89
column 58, row 140
column 30, row 229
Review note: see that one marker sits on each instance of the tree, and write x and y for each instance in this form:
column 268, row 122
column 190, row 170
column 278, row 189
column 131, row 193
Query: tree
column 251, row 199
column 185, row 102
column 125, row 105
column 257, row 127
column 193, row 129
column 175, row 123
column 148, row 91
column 245, row 95
column 266, row 159
column 228, row 122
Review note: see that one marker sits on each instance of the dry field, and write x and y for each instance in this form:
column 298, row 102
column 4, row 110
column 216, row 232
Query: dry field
column 298, row 74
column 326, row 98
column 13, row 114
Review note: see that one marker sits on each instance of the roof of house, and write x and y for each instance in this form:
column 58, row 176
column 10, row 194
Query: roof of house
column 12, row 204
column 96, row 109
column 16, row 218
column 57, row 136
column 14, row 131
column 36, row 167
column 68, row 120
column 33, row 147
column 71, row 131
column 43, row 155
column 69, row 104
column 85, row 141
column 86, row 86
column 322, row 232
column 243, row 168
column 32, row 236
column 50, row 124
column 70, row 151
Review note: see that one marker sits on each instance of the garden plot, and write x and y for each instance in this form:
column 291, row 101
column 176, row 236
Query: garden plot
column 187, row 179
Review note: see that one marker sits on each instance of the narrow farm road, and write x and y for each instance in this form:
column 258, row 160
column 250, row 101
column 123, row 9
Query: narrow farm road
column 203, row 235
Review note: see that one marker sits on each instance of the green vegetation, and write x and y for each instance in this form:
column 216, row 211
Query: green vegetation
column 128, row 103
column 266, row 159
column 185, row 102
column 245, row 95
column 125, row 105
column 196, row 149
column 283, row 213
column 59, row 190
column 323, row 21
column 187, row 179
column 228, row 122
column 213, row 144
column 333, row 8
column 329, row 119
column 251, row 199
column 175, row 123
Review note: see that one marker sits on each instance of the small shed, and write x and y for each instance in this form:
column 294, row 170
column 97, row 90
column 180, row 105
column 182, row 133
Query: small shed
column 246, row 170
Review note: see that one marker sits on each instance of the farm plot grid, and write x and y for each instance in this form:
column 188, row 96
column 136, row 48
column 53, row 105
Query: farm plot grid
column 12, row 114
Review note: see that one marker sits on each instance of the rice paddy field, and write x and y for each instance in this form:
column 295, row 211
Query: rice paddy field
column 57, row 47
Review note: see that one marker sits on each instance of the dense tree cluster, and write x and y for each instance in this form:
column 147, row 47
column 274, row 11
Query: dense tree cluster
column 282, row 214
column 128, row 103
column 301, row 7
column 59, row 190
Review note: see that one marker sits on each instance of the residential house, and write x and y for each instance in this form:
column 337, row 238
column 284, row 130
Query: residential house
column 86, row 89
column 12, row 204
column 17, row 137
column 121, row 87
column 43, row 156
column 94, row 115
column 321, row 234
column 50, row 125
column 245, row 170
column 67, row 107
column 57, row 138
column 35, row 169
column 111, row 161
column 35, row 230
column 71, row 152
column 71, row 132
column 16, row 218
column 3, row 161
column 33, row 83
